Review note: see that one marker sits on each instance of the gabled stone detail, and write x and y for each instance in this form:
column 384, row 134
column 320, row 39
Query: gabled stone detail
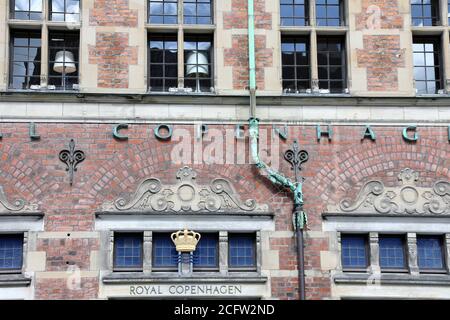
column 405, row 199
column 19, row 205
column 184, row 196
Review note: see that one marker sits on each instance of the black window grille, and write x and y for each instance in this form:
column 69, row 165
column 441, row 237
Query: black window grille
column 26, row 9
column 198, row 63
column 331, row 63
column 163, row 50
column 64, row 60
column 65, row 10
column 197, row 11
column 427, row 65
column 296, row 64
column 163, row 11
column 425, row 12
column 294, row 12
column 25, row 59
column 330, row 13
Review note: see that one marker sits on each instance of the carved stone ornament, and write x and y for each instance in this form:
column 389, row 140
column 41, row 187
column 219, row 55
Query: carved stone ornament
column 185, row 196
column 19, row 205
column 405, row 199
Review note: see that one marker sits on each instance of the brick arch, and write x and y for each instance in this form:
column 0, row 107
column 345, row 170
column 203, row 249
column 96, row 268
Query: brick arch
column 17, row 175
column 120, row 176
column 355, row 166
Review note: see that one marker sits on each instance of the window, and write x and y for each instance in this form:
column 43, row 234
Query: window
column 165, row 255
column 448, row 13
column 430, row 253
column 425, row 12
column 329, row 12
column 242, row 251
column 26, row 9
column 427, row 67
column 65, row 10
column 296, row 68
column 11, row 252
column 163, row 11
column 206, row 253
column 25, row 59
column 197, row 11
column 198, row 63
column 163, row 62
column 294, row 12
column 63, row 64
column 128, row 251
column 331, row 64
column 355, row 253
column 392, row 252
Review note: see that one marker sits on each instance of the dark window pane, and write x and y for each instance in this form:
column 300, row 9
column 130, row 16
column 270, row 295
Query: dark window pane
column 430, row 252
column 64, row 59
column 163, row 62
column 206, row 253
column 425, row 12
column 25, row 59
column 392, row 252
column 295, row 60
column 11, row 251
column 427, row 74
column 242, row 251
column 293, row 13
column 354, row 251
column 329, row 13
column 164, row 251
column 198, row 63
column 162, row 11
column 65, row 10
column 331, row 64
column 128, row 250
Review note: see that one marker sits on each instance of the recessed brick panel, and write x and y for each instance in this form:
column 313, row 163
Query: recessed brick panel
column 113, row 13
column 237, row 57
column 237, row 18
column 382, row 56
column 113, row 56
column 379, row 14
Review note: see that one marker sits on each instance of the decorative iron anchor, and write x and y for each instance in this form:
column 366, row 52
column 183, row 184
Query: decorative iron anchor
column 71, row 158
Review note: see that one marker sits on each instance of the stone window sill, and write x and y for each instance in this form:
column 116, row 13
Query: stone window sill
column 14, row 280
column 393, row 279
column 200, row 277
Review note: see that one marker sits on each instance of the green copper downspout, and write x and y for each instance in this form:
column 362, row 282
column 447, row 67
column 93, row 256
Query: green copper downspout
column 252, row 57
column 299, row 216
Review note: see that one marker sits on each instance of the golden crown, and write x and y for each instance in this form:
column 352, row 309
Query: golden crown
column 185, row 240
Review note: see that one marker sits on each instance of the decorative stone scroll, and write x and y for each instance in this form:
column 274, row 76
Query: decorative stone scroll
column 185, row 196
column 19, row 205
column 406, row 199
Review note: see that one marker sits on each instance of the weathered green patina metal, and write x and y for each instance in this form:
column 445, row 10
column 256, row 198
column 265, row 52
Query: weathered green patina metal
column 299, row 218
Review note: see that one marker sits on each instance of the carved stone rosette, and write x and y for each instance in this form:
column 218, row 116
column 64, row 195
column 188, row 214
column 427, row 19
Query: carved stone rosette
column 405, row 199
column 184, row 196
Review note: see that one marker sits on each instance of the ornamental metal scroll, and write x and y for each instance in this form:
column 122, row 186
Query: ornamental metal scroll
column 185, row 196
column 405, row 199
column 17, row 206
column 71, row 158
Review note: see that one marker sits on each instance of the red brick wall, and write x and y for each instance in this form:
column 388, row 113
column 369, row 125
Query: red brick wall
column 381, row 56
column 336, row 169
column 113, row 13
column 113, row 56
column 237, row 55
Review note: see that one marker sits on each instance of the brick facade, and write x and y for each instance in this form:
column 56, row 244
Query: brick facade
column 113, row 13
column 381, row 56
column 31, row 170
column 113, row 56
